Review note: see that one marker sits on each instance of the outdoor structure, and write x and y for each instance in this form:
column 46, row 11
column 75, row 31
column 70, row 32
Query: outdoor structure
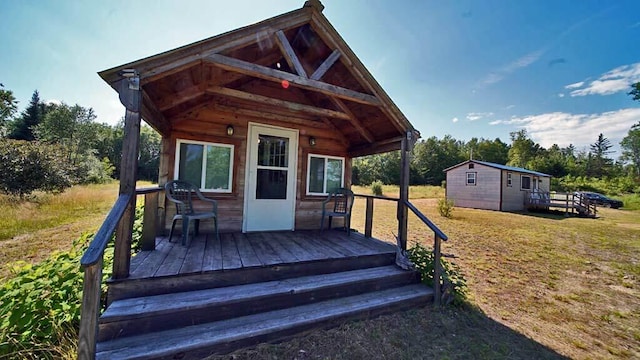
column 484, row 185
column 265, row 120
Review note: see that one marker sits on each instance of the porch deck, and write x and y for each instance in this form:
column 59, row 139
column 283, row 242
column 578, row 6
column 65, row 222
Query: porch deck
column 235, row 251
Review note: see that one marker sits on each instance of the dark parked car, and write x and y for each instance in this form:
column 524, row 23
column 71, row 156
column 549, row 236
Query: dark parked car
column 601, row 200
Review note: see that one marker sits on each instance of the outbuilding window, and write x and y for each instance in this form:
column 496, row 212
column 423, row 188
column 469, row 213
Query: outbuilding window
column 509, row 180
column 525, row 182
column 324, row 174
column 471, row 179
column 206, row 165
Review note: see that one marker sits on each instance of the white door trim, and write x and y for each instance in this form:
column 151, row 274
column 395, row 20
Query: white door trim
column 253, row 128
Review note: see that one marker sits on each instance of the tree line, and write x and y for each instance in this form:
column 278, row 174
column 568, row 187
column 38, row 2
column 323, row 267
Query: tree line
column 52, row 146
column 571, row 168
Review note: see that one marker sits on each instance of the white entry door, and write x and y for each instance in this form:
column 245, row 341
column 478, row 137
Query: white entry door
column 270, row 187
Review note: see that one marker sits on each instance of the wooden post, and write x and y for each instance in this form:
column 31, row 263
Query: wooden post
column 150, row 222
column 130, row 97
column 368, row 219
column 90, row 311
column 404, row 189
column 437, row 270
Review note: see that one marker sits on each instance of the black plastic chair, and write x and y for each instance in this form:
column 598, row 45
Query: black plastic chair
column 342, row 203
column 181, row 193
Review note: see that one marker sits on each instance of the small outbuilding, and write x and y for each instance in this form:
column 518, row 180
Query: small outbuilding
column 484, row 185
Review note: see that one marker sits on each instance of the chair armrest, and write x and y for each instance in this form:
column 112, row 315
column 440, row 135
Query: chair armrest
column 212, row 201
column 326, row 201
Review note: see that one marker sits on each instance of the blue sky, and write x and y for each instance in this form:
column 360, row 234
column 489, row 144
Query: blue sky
column 560, row 69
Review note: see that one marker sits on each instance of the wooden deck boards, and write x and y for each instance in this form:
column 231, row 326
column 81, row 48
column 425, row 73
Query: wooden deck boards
column 236, row 250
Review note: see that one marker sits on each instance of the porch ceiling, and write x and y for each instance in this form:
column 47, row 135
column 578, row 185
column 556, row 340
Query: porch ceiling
column 294, row 66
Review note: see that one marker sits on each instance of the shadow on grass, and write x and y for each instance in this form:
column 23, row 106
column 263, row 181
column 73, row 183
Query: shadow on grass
column 426, row 333
column 549, row 214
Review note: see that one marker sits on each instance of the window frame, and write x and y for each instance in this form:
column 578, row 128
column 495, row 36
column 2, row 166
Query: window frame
column 510, row 179
column 324, row 184
column 522, row 184
column 475, row 178
column 176, row 168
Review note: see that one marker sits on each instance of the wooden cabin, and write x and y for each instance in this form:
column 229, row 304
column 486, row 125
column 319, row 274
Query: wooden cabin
column 264, row 119
column 484, row 185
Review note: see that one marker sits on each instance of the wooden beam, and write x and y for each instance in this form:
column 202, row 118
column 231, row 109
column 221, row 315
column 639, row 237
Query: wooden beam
column 289, row 54
column 326, row 64
column 270, row 116
column 153, row 116
column 343, row 140
column 167, row 61
column 353, row 120
column 330, row 36
column 266, row 73
column 374, row 148
column 405, row 153
column 182, row 97
column 276, row 102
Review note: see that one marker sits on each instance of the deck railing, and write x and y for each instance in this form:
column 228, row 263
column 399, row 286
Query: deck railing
column 570, row 202
column 439, row 236
column 92, row 263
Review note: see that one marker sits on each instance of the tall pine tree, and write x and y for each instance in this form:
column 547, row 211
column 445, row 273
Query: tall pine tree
column 23, row 127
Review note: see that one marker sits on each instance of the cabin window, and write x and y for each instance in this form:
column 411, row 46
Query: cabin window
column 525, row 182
column 471, row 166
column 509, row 180
column 324, row 174
column 471, row 178
column 206, row 165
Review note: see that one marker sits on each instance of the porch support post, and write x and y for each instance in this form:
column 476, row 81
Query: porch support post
column 130, row 97
column 407, row 143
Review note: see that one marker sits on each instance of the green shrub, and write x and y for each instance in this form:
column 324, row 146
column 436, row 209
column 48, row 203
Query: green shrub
column 29, row 166
column 376, row 188
column 445, row 207
column 454, row 285
column 40, row 306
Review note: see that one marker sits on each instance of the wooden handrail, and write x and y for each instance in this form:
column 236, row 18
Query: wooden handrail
column 148, row 190
column 438, row 237
column 426, row 221
column 96, row 248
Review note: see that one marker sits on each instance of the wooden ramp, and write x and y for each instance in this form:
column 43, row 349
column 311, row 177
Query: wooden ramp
column 192, row 315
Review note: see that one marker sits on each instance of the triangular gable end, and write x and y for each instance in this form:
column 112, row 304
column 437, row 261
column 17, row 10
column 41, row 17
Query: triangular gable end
column 294, row 66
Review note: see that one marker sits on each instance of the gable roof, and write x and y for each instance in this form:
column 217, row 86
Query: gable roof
column 499, row 166
column 327, row 86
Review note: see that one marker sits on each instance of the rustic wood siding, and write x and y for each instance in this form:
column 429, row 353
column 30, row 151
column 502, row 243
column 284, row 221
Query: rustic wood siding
column 209, row 125
column 484, row 195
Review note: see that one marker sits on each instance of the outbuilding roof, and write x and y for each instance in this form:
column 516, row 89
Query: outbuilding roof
column 499, row 166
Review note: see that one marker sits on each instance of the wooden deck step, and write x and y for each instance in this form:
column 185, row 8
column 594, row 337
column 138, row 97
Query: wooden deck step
column 223, row 336
column 160, row 312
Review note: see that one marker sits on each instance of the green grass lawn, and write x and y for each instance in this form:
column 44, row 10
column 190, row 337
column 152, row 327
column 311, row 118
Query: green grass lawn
column 540, row 286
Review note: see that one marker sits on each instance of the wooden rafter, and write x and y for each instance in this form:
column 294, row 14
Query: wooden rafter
column 242, row 95
column 152, row 115
column 271, row 116
column 341, row 138
column 353, row 120
column 180, row 98
column 289, row 53
column 330, row 36
column 266, row 73
column 326, row 64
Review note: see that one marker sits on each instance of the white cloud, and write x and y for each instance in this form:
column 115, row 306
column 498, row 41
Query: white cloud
column 577, row 129
column 454, row 120
column 501, row 73
column 509, row 107
column 478, row 115
column 53, row 101
column 611, row 82
column 561, row 95
column 574, row 85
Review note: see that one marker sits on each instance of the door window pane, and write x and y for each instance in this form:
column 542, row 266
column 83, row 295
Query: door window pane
column 190, row 167
column 271, row 184
column 273, row 151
